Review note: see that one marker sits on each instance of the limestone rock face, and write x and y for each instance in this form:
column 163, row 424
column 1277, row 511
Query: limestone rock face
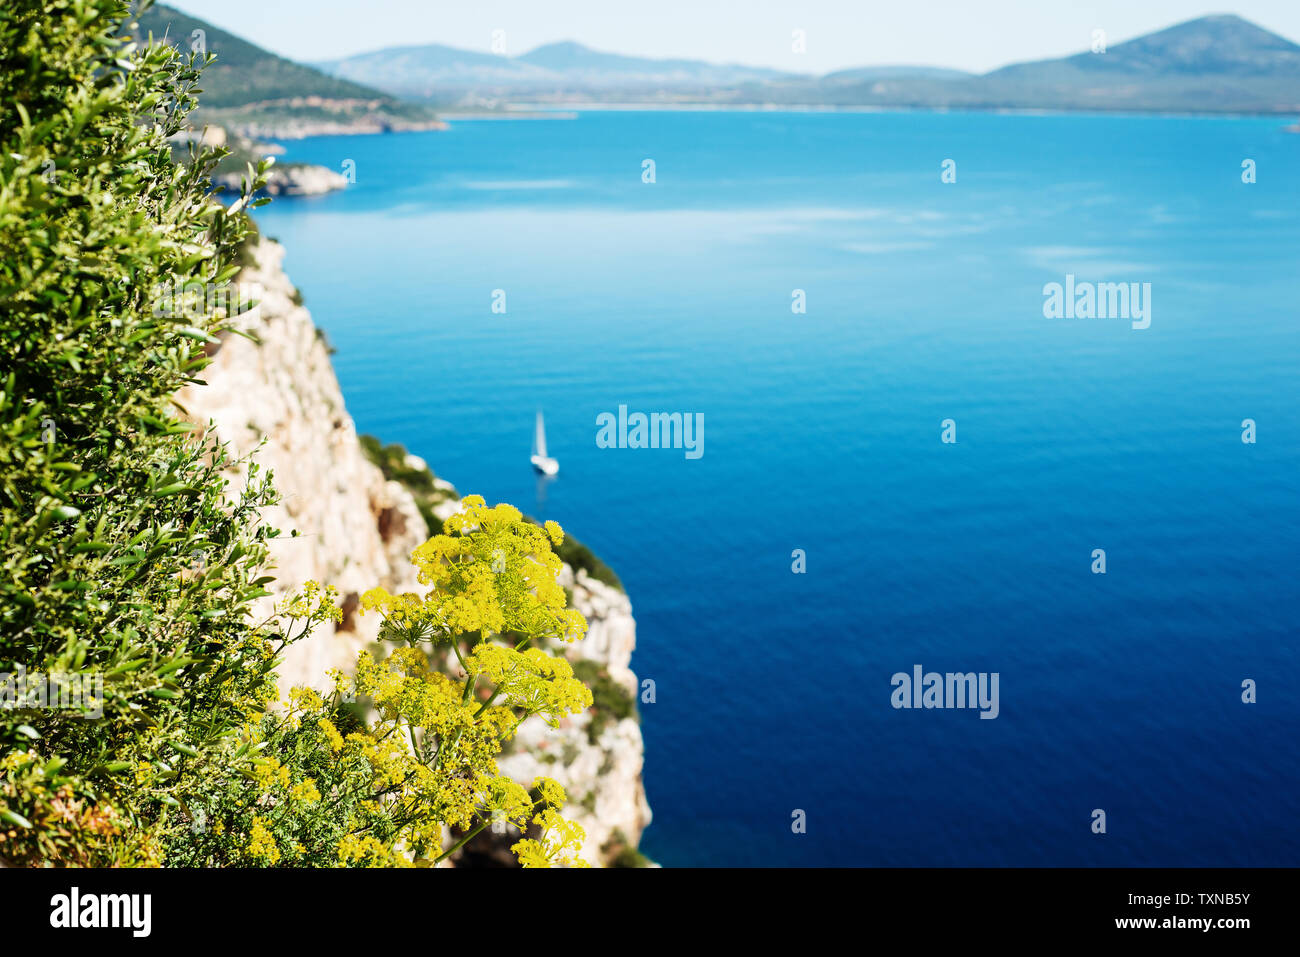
column 279, row 400
column 355, row 530
column 611, row 629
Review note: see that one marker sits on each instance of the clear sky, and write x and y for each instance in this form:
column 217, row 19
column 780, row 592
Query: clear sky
column 973, row 35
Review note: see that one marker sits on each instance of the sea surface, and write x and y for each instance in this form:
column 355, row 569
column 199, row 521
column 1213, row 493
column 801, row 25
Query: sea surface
column 822, row 432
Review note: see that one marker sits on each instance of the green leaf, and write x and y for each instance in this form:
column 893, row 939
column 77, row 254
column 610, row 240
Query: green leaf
column 175, row 664
column 128, row 666
column 15, row 819
column 175, row 489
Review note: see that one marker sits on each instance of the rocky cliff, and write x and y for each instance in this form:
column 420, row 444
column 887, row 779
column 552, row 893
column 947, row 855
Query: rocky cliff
column 344, row 524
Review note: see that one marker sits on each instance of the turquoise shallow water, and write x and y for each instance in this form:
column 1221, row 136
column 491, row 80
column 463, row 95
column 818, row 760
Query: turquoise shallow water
column 822, row 432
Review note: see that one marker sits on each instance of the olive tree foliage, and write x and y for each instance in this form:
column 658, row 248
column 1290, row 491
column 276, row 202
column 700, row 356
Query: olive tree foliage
column 124, row 558
column 129, row 566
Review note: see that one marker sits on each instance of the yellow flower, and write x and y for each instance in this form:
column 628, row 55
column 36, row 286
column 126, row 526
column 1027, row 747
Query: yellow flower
column 304, row 699
column 316, row 603
column 559, row 845
column 261, row 843
column 331, row 733
column 369, row 851
column 427, row 762
column 305, row 790
column 269, row 773
column 531, row 679
column 552, row 792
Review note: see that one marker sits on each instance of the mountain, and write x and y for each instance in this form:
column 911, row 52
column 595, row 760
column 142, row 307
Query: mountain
column 437, row 72
column 245, row 73
column 421, row 71
column 1219, row 63
column 257, row 92
column 1215, row 63
column 577, row 63
column 1223, row 45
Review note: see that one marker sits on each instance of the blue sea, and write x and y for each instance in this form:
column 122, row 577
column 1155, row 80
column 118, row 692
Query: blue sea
column 822, row 432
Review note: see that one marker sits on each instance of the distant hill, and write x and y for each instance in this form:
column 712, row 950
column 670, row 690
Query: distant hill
column 1223, row 45
column 1217, row 63
column 438, row 72
column 577, row 63
column 245, row 73
column 421, row 71
column 253, row 88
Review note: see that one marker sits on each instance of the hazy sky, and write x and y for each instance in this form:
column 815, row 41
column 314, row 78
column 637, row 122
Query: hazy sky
column 970, row 34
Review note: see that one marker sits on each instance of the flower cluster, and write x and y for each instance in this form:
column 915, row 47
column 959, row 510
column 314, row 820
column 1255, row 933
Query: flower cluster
column 532, row 680
column 431, row 757
column 315, row 603
column 559, row 845
column 410, row 774
column 491, row 573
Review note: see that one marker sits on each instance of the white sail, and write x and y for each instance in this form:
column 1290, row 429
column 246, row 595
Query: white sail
column 541, row 435
column 541, row 461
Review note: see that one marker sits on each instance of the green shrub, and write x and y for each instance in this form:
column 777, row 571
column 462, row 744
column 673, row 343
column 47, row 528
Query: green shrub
column 391, row 460
column 579, row 556
column 124, row 557
column 129, row 563
column 610, row 700
column 421, row 483
column 620, row 852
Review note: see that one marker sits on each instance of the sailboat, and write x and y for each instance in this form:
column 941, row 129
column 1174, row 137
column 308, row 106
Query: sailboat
column 541, row 461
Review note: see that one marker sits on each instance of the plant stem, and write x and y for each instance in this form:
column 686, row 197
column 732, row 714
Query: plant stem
column 461, row 843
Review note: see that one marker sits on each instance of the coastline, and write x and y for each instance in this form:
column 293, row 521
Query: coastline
column 573, row 111
column 825, row 108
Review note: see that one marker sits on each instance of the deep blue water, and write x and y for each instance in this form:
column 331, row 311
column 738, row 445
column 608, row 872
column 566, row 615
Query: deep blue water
column 822, row 432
